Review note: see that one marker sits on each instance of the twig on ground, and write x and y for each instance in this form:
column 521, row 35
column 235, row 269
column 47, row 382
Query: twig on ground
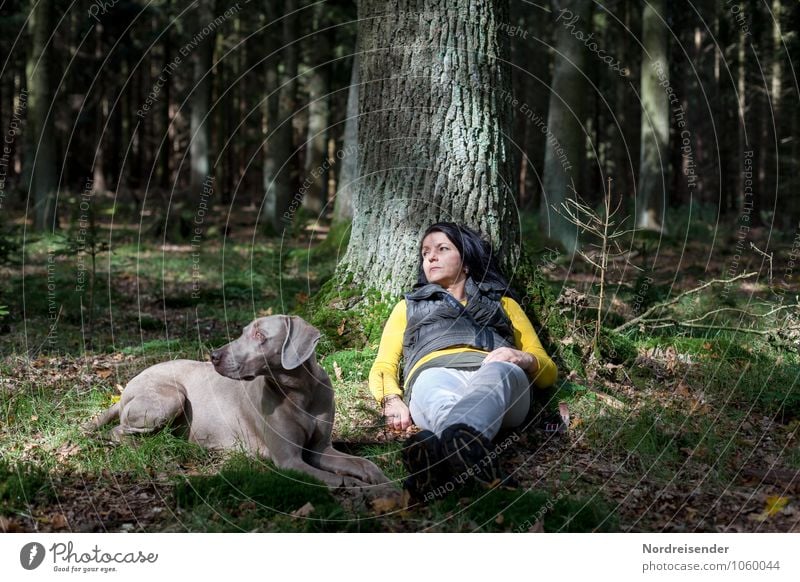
column 643, row 318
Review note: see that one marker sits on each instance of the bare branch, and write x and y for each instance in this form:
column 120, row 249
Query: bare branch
column 677, row 298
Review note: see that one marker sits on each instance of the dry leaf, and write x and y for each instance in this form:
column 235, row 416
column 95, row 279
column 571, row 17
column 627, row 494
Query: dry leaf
column 775, row 504
column 340, row 329
column 304, row 511
column 9, row 525
column 301, row 297
column 104, row 373
column 387, row 504
column 59, row 521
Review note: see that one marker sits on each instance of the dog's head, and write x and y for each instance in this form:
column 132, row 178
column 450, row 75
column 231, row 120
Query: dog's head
column 267, row 346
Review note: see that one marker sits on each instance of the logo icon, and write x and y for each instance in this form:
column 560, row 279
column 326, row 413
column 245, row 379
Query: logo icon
column 31, row 556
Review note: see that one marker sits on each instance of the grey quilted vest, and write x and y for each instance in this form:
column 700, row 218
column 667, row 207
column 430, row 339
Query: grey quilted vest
column 435, row 320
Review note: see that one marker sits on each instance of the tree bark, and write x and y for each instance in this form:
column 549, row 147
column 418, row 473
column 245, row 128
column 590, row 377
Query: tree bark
column 43, row 179
column 565, row 149
column 651, row 195
column 435, row 113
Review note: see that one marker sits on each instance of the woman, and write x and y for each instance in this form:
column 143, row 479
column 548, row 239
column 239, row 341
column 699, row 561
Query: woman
column 469, row 353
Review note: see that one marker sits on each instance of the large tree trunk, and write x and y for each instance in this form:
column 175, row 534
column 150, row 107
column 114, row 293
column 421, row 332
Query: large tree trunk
column 44, row 179
column 435, row 113
column 200, row 120
column 349, row 173
column 651, row 195
column 565, row 148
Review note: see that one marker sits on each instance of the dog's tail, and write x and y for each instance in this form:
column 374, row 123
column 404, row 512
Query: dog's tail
column 106, row 417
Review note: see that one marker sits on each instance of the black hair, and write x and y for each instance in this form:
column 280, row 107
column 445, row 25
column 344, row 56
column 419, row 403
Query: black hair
column 477, row 256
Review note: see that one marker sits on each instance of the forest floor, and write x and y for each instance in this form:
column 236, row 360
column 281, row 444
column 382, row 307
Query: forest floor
column 694, row 430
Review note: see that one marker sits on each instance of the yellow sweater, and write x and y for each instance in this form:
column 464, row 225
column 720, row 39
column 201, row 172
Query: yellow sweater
column 384, row 375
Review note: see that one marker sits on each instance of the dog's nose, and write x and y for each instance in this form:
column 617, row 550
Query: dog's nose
column 216, row 356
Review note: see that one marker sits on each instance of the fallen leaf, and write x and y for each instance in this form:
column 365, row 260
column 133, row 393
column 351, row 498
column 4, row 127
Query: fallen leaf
column 387, row 504
column 104, row 373
column 775, row 504
column 304, row 511
column 340, row 329
column 9, row 525
column 59, row 521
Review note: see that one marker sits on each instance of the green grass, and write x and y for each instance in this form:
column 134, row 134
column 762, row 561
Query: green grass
column 252, row 495
column 21, row 486
column 500, row 510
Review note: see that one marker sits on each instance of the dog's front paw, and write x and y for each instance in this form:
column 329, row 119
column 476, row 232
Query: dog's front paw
column 372, row 474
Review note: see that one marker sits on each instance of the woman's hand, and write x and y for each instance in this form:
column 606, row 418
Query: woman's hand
column 522, row 359
column 396, row 412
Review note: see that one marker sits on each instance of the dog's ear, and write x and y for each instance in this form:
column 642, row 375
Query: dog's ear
column 300, row 343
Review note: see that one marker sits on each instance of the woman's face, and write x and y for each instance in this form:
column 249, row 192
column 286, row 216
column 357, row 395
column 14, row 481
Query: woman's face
column 441, row 260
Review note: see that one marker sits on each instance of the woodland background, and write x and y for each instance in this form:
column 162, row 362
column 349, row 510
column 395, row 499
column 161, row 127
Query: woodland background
column 170, row 170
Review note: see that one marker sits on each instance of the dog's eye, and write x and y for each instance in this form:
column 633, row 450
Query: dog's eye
column 260, row 336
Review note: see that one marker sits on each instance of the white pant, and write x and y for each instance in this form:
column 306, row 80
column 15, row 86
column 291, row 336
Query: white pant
column 495, row 395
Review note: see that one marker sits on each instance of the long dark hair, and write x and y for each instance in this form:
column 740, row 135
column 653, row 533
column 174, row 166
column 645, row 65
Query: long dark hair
column 476, row 254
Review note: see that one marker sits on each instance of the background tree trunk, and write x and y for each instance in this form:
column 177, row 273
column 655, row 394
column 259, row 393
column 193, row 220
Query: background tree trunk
column 200, row 120
column 349, row 173
column 434, row 118
column 43, row 178
column 651, row 195
column 316, row 197
column 278, row 178
column 565, row 121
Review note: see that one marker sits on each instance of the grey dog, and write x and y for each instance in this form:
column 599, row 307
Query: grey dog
column 264, row 392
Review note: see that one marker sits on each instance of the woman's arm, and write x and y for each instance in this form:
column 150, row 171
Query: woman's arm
column 384, row 376
column 539, row 365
